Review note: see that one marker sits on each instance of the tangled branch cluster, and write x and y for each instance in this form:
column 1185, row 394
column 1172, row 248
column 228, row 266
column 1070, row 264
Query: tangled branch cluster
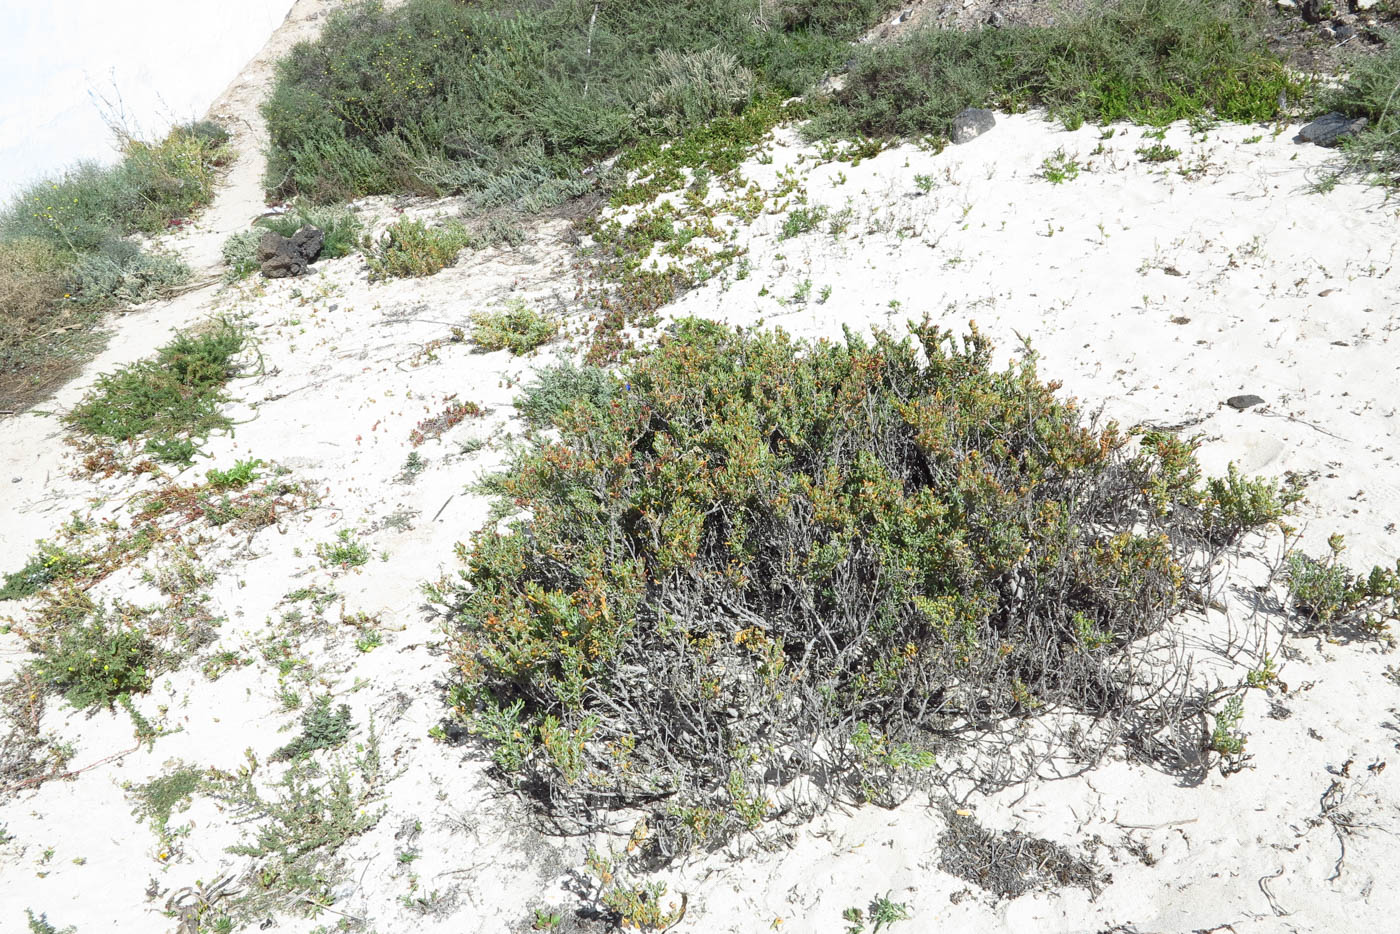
column 752, row 567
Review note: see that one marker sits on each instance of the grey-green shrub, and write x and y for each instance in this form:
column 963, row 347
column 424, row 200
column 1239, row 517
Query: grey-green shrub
column 121, row 273
column 240, row 254
column 517, row 328
column 558, row 388
column 1372, row 90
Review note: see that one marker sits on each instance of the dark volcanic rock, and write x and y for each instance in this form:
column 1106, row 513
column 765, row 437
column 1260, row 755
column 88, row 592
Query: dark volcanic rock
column 1240, row 403
column 280, row 257
column 1329, row 129
column 972, row 123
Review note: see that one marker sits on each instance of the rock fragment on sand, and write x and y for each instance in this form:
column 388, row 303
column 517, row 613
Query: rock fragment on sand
column 1330, row 129
column 280, row 257
column 972, row 123
column 1240, row 403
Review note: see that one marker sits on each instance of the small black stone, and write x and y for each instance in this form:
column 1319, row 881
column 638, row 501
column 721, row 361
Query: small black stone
column 1240, row 403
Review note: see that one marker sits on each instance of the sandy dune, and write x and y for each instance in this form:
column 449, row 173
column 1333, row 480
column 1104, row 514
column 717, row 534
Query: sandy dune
column 1153, row 290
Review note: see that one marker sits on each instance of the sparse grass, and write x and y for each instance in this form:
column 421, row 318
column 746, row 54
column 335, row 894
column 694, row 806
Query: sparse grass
column 304, row 818
column 1372, row 90
column 176, row 396
column 412, row 248
column 517, row 328
column 1148, row 61
column 813, row 542
column 344, row 552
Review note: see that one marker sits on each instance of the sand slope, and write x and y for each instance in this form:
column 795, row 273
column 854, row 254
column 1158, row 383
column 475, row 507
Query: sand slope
column 1150, row 292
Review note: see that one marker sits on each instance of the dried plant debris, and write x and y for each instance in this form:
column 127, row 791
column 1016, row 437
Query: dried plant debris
column 1010, row 863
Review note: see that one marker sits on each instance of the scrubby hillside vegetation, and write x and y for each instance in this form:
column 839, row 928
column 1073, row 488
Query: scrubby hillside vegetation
column 65, row 250
column 712, row 581
column 516, row 103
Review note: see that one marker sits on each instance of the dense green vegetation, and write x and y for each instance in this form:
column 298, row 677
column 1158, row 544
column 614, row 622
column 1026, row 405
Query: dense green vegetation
column 510, row 102
column 1148, row 61
column 169, row 400
column 748, row 556
column 63, row 252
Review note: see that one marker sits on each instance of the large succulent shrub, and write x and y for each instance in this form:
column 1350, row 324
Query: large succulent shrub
column 757, row 560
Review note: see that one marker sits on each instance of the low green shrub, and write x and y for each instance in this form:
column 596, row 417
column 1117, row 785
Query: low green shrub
column 1148, row 61
column 51, row 563
column 155, row 802
column 751, row 556
column 97, row 661
column 236, row 477
column 321, row 728
column 42, row 925
column 169, row 399
column 1328, row 594
column 343, row 552
column 558, row 388
column 303, row 819
column 517, row 328
column 412, row 248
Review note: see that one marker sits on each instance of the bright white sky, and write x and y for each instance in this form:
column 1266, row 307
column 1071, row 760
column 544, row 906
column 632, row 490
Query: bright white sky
column 166, row 59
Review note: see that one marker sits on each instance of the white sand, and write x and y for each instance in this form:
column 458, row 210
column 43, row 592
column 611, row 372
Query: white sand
column 1289, row 294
